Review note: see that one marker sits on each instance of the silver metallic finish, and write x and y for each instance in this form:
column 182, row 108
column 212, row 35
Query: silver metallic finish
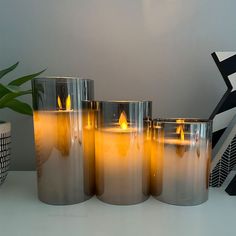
column 123, row 156
column 64, row 139
column 180, row 160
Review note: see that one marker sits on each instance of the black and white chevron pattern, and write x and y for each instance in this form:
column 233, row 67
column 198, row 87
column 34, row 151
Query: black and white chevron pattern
column 5, row 140
column 224, row 166
column 222, row 116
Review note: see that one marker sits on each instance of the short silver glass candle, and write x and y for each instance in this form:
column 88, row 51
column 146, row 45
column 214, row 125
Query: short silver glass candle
column 64, row 139
column 122, row 141
column 180, row 160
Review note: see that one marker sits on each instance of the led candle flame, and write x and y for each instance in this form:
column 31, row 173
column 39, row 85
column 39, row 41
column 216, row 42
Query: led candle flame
column 64, row 141
column 59, row 103
column 68, row 103
column 180, row 129
column 89, row 122
column 180, row 148
column 123, row 121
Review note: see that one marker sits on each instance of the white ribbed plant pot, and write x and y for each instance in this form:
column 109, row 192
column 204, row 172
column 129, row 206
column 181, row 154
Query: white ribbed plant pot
column 5, row 140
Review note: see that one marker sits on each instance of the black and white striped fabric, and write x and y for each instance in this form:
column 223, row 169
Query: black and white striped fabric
column 5, row 140
column 222, row 116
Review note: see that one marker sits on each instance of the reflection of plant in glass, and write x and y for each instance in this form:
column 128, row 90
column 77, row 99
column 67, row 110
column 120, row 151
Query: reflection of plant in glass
column 10, row 92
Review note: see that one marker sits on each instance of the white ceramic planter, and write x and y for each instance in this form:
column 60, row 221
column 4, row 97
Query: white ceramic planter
column 5, row 140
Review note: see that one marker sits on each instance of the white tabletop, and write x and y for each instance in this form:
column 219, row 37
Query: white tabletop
column 22, row 214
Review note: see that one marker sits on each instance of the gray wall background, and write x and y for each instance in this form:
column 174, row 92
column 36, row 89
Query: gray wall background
column 137, row 49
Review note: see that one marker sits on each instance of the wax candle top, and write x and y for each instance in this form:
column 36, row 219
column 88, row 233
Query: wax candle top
column 180, row 121
column 118, row 129
column 176, row 141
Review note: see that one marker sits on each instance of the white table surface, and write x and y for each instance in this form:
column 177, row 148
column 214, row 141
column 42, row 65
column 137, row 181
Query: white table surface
column 22, row 214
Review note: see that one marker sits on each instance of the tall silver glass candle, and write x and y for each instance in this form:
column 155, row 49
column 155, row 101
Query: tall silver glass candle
column 122, row 141
column 64, row 139
column 180, row 161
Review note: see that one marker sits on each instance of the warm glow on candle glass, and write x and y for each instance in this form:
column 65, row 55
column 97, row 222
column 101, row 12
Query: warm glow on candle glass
column 68, row 103
column 59, row 103
column 89, row 122
column 180, row 129
column 123, row 121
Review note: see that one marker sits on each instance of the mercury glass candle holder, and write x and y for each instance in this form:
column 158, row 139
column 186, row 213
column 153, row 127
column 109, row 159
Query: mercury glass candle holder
column 180, row 160
column 122, row 144
column 64, row 139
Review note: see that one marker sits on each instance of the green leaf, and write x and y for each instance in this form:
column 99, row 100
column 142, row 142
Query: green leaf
column 14, row 88
column 9, row 88
column 20, row 107
column 7, row 70
column 9, row 96
column 4, row 90
column 24, row 79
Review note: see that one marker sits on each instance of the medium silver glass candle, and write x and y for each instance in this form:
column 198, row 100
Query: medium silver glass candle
column 122, row 141
column 180, row 160
column 64, row 139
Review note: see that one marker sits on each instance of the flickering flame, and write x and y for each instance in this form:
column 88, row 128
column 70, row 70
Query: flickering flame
column 68, row 103
column 123, row 120
column 180, row 129
column 89, row 125
column 59, row 103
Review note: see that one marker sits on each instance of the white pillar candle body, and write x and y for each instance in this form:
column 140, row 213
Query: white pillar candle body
column 65, row 156
column 122, row 165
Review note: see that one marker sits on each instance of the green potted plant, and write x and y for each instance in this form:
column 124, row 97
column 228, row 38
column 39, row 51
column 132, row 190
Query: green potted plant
column 9, row 94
